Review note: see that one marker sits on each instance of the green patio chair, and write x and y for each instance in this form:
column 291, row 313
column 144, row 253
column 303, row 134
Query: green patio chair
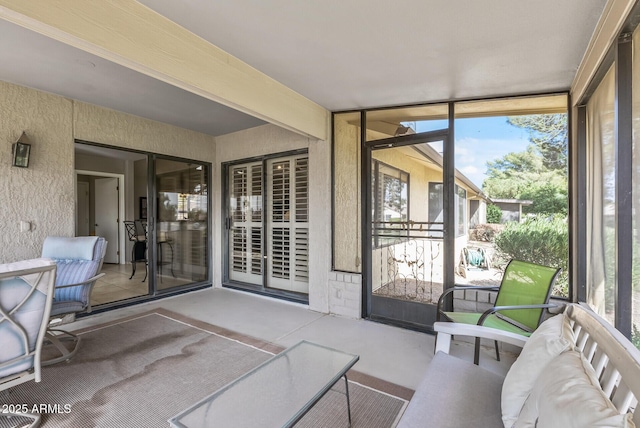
column 522, row 296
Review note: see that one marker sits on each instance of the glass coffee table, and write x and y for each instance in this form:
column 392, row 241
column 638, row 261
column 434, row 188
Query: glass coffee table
column 277, row 393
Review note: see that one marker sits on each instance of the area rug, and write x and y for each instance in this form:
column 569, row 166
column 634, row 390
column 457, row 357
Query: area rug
column 143, row 370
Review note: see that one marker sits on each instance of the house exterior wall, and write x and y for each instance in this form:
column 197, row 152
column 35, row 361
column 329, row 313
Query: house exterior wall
column 510, row 211
column 347, row 196
column 44, row 193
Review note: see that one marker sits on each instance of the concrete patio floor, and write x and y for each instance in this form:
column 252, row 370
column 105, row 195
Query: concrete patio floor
column 389, row 353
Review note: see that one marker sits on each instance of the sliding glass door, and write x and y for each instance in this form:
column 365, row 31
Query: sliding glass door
column 181, row 223
column 245, row 223
column 268, row 225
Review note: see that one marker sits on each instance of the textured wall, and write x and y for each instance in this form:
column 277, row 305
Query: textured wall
column 269, row 139
column 347, row 240
column 44, row 194
column 100, row 125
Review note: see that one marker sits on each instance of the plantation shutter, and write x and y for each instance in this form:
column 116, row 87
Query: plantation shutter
column 245, row 234
column 289, row 223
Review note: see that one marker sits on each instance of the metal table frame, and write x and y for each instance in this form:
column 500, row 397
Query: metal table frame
column 296, row 414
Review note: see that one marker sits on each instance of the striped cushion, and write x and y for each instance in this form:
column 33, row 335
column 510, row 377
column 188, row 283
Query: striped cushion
column 74, row 271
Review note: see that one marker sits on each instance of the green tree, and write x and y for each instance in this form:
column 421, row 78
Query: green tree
column 539, row 173
column 494, row 214
column 393, row 199
column 548, row 133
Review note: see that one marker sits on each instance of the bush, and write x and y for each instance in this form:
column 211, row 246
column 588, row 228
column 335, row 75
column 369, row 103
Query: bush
column 541, row 240
column 494, row 214
column 635, row 337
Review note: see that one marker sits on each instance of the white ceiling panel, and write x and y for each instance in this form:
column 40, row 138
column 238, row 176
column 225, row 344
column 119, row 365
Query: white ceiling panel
column 340, row 54
column 363, row 53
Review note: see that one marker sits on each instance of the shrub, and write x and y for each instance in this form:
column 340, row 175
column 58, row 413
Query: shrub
column 541, row 240
column 494, row 214
column 635, row 337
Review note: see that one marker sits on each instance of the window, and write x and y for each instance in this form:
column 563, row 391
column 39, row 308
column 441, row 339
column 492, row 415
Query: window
column 635, row 309
column 436, row 209
column 601, row 185
column 461, row 211
column 390, row 202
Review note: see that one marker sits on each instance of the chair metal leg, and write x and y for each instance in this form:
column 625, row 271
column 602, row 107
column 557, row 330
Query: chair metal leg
column 497, row 350
column 57, row 338
column 133, row 269
column 476, row 352
column 35, row 417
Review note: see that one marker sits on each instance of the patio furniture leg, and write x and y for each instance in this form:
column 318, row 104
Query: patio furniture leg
column 346, row 385
column 33, row 416
column 133, row 269
column 476, row 352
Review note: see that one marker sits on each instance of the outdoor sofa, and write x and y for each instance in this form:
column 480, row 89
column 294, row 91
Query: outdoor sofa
column 574, row 371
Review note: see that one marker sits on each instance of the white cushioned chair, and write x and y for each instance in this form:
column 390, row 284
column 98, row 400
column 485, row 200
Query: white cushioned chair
column 79, row 261
column 26, row 294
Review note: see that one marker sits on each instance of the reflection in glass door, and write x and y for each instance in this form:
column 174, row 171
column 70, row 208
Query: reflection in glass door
column 181, row 232
column 407, row 231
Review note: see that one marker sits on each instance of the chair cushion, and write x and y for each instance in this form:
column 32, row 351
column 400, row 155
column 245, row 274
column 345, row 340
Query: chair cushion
column 63, row 308
column 78, row 248
column 28, row 264
column 567, row 395
column 553, row 337
column 28, row 316
column 446, row 398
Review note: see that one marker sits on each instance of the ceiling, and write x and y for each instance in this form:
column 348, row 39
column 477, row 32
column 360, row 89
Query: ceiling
column 340, row 54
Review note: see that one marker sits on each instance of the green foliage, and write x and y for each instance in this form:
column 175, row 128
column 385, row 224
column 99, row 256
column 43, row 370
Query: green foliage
column 539, row 173
column 393, row 190
column 494, row 214
column 541, row 240
column 635, row 337
column 548, row 133
column 548, row 198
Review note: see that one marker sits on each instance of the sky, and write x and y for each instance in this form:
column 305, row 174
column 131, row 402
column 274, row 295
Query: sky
column 479, row 140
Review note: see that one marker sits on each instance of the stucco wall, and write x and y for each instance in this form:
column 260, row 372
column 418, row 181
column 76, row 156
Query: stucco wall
column 347, row 240
column 269, row 139
column 44, row 194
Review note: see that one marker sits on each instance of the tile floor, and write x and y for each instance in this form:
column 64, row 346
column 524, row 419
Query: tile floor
column 390, row 353
column 116, row 285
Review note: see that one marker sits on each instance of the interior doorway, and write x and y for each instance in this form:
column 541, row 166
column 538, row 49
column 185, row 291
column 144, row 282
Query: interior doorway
column 82, row 209
column 106, row 215
column 99, row 211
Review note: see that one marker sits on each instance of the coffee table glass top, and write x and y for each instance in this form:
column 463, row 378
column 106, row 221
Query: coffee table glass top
column 274, row 394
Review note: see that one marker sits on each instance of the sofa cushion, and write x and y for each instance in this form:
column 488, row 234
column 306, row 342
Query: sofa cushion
column 455, row 393
column 549, row 340
column 567, row 394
